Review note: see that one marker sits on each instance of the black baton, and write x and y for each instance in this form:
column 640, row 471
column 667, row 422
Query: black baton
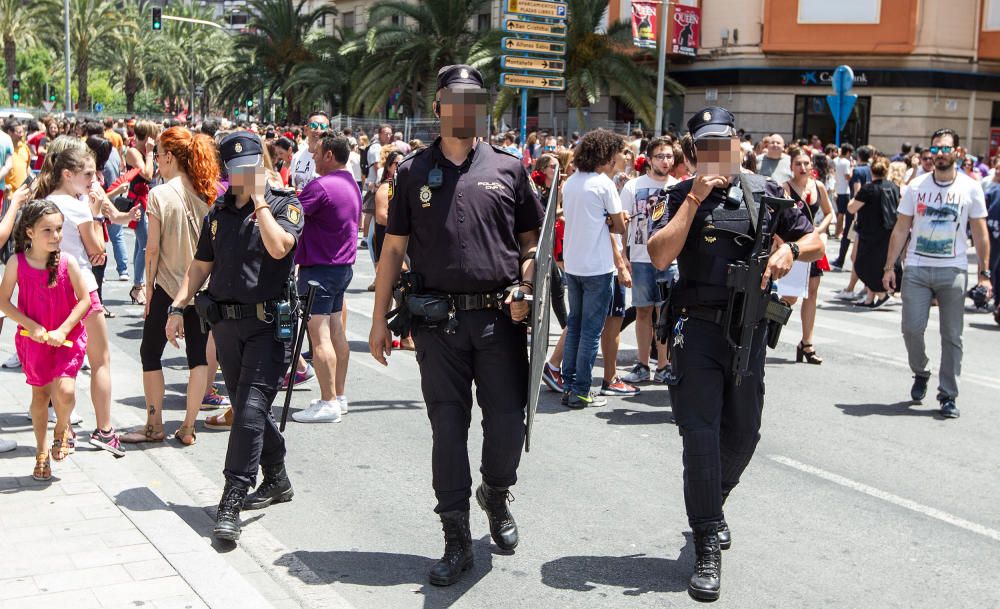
column 304, row 316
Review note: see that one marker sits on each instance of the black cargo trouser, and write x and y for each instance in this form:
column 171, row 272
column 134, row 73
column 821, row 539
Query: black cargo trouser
column 489, row 349
column 719, row 420
column 253, row 364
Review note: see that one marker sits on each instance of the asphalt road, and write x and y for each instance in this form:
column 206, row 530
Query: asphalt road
column 856, row 497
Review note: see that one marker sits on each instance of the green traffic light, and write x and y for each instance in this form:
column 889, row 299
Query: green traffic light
column 249, row 103
column 17, row 97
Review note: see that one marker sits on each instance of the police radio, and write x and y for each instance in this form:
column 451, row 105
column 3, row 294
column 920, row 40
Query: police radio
column 285, row 327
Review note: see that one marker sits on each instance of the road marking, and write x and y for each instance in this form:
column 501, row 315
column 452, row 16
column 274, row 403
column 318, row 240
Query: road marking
column 966, row 377
column 890, row 498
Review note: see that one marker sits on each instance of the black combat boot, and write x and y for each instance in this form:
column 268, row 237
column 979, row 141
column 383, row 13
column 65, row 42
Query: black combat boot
column 227, row 518
column 725, row 539
column 707, row 577
column 457, row 549
column 276, row 488
column 503, row 529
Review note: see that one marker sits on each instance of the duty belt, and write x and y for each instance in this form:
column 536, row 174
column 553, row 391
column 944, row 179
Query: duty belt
column 703, row 313
column 244, row 311
column 477, row 302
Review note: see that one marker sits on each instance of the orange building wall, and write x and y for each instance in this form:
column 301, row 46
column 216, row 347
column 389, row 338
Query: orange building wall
column 896, row 34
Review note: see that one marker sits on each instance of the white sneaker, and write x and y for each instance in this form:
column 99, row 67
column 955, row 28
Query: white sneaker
column 342, row 400
column 7, row 445
column 845, row 294
column 319, row 411
column 74, row 418
column 12, row 362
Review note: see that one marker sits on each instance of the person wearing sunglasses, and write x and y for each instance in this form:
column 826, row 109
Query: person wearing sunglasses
column 934, row 214
column 303, row 165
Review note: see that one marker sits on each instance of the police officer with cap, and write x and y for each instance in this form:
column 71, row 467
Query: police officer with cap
column 245, row 251
column 705, row 225
column 469, row 218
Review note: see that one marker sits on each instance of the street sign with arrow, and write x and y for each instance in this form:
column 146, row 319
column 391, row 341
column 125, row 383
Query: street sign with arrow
column 543, row 47
column 511, row 62
column 533, row 28
column 526, row 81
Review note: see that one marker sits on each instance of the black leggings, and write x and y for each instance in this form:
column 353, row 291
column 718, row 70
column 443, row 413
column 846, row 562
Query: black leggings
column 154, row 338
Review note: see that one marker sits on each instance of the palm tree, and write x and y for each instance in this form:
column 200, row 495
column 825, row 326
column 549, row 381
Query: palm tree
column 328, row 76
column 278, row 40
column 22, row 22
column 407, row 55
column 598, row 63
column 197, row 48
column 92, row 24
column 136, row 52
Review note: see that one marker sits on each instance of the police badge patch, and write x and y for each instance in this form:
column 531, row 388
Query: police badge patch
column 294, row 214
column 425, row 195
column 214, row 227
column 238, row 147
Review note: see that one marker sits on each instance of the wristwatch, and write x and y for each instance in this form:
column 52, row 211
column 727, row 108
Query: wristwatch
column 795, row 250
column 986, row 274
column 172, row 310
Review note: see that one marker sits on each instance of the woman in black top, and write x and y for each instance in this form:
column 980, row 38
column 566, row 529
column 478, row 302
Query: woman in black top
column 874, row 207
column 809, row 195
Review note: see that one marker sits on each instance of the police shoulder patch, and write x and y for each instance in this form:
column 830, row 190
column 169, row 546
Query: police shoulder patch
column 294, row 214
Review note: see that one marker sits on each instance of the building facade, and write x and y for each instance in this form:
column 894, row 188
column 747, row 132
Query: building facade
column 919, row 65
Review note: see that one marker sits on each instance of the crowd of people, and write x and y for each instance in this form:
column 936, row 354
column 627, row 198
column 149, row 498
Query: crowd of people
column 72, row 189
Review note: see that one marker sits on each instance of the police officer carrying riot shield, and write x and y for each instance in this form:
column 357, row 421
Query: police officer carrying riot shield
column 469, row 218
column 246, row 247
column 711, row 225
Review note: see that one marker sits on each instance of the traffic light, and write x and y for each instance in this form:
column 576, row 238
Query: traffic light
column 249, row 103
column 52, row 97
column 157, row 18
column 15, row 90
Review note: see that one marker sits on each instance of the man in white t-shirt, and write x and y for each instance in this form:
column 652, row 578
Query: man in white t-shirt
column 303, row 165
column 354, row 161
column 590, row 203
column 934, row 213
column 643, row 199
column 842, row 167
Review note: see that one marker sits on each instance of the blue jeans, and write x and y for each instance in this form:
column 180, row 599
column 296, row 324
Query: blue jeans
column 117, row 239
column 139, row 262
column 589, row 300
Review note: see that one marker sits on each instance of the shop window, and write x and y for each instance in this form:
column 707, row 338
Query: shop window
column 992, row 23
column 812, row 117
column 842, row 11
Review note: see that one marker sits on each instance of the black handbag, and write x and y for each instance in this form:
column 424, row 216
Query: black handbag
column 122, row 203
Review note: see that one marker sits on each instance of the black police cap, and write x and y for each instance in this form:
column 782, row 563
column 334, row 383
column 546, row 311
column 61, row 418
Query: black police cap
column 241, row 149
column 712, row 122
column 460, row 77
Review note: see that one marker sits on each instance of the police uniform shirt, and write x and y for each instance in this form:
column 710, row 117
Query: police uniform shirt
column 243, row 272
column 463, row 234
column 791, row 224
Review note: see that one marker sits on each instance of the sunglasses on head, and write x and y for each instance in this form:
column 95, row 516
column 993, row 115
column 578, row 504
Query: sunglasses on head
column 319, row 126
column 941, row 149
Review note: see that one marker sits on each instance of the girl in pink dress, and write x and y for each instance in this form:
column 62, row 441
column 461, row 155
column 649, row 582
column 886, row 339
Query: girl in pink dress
column 52, row 299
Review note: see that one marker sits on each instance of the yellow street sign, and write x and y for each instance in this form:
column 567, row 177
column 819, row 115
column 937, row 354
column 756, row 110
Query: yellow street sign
column 537, row 8
column 533, row 46
column 516, row 26
column 509, row 62
column 524, row 81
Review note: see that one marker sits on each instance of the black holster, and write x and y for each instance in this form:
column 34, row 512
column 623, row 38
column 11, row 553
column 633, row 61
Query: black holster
column 662, row 328
column 777, row 315
column 208, row 311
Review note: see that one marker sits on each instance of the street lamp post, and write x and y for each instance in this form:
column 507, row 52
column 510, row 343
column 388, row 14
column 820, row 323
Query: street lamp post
column 69, row 94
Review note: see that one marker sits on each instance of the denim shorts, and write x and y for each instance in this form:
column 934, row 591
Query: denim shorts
column 333, row 282
column 842, row 201
column 645, row 293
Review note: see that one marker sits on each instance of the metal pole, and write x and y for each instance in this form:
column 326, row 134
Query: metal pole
column 69, row 93
column 661, row 69
column 191, row 99
column 524, row 116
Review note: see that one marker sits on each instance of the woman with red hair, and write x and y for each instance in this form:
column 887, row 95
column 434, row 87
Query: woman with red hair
column 176, row 209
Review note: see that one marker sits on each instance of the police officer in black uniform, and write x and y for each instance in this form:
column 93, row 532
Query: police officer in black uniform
column 246, row 245
column 706, row 225
column 469, row 218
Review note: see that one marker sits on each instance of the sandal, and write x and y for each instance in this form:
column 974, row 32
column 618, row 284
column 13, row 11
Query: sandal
column 138, row 294
column 152, row 433
column 43, row 468
column 805, row 351
column 186, row 435
column 220, row 421
column 62, row 445
column 109, row 314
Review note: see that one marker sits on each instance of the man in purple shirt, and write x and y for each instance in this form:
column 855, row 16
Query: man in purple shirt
column 325, row 254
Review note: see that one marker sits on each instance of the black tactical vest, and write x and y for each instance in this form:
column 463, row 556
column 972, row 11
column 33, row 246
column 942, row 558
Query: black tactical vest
column 720, row 234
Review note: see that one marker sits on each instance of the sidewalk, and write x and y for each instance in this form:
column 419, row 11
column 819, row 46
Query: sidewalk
column 111, row 533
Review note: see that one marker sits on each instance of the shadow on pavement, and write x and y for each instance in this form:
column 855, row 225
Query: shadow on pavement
column 637, row 573
column 374, row 405
column 624, row 416
column 886, row 410
column 993, row 327
column 387, row 569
